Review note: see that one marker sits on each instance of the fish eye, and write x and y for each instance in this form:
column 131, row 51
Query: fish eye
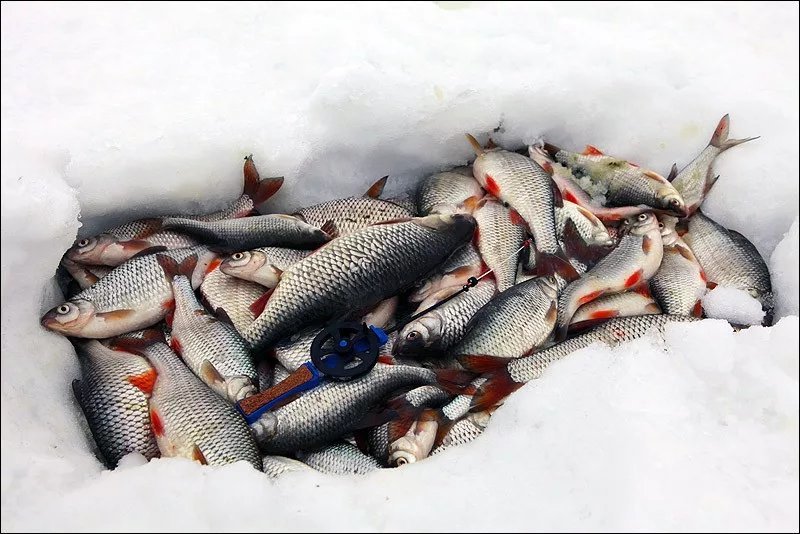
column 411, row 336
column 661, row 225
column 63, row 309
column 551, row 279
column 675, row 202
column 237, row 256
column 642, row 217
column 83, row 242
column 66, row 313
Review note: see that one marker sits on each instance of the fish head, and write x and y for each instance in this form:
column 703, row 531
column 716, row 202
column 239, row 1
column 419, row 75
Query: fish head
column 243, row 264
column 672, row 201
column 666, row 225
column 641, row 224
column 418, row 335
column 69, row 318
column 90, row 250
column 549, row 286
column 415, row 445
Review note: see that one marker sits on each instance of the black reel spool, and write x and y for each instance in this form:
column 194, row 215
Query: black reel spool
column 344, row 350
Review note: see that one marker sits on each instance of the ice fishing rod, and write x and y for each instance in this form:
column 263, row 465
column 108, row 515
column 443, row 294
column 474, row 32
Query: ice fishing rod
column 341, row 351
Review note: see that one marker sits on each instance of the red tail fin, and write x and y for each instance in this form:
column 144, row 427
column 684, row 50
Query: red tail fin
column 550, row 264
column 454, row 381
column 136, row 345
column 499, row 386
column 483, row 364
column 720, row 137
column 172, row 268
column 257, row 189
column 376, row 189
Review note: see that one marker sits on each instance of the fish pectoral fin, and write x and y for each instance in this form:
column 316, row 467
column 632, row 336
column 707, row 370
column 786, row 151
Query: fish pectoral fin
column 257, row 307
column 198, row 455
column 116, row 315
column 209, row 373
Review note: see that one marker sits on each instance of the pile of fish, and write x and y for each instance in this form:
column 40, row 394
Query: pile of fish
column 484, row 275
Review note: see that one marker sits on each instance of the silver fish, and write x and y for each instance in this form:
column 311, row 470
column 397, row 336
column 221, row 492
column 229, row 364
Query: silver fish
column 113, row 393
column 275, row 466
column 211, row 348
column 729, row 259
column 634, row 302
column 589, row 227
column 263, row 265
column 398, row 441
column 695, row 180
column 506, row 376
column 357, row 271
column 464, row 431
column 633, row 262
column 134, row 295
column 333, row 409
column 680, row 282
column 233, row 295
column 522, row 183
column 188, row 419
column 340, row 458
column 514, row 322
column 625, row 184
column 346, row 215
column 443, row 192
column 441, row 328
column 501, row 232
column 250, row 232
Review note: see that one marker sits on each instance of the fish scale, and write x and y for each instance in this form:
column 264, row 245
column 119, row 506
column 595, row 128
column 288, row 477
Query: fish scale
column 203, row 340
column 729, row 259
column 115, row 408
column 356, row 272
column 617, row 305
column 192, row 421
column 353, row 213
column 333, row 408
column 680, row 282
column 514, row 322
column 340, row 458
column 234, row 295
column 275, row 466
column 445, row 191
column 250, row 232
column 501, row 233
column 464, row 431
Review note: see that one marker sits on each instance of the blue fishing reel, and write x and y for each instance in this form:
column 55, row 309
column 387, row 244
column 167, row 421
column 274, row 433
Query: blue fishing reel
column 341, row 351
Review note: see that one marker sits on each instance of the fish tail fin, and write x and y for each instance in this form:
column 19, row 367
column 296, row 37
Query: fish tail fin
column 476, row 146
column 720, row 137
column 443, row 423
column 257, row 189
column 455, row 381
column 551, row 264
column 482, row 364
column 172, row 268
column 497, row 387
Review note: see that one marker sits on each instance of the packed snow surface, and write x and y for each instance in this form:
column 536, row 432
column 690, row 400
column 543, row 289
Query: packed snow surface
column 735, row 305
column 117, row 111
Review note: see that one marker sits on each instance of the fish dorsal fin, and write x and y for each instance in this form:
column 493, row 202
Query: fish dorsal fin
column 376, row 189
column 673, row 172
column 592, row 150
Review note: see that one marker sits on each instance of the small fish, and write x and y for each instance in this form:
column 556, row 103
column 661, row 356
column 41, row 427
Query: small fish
column 251, row 232
column 633, row 262
column 634, row 302
column 357, row 271
column 441, row 328
column 500, row 234
column 572, row 191
column 121, row 243
column 528, row 189
column 211, row 348
column 406, row 438
column 462, row 265
column 113, row 393
column 514, row 322
column 263, row 265
column 444, row 192
column 625, row 184
column 695, row 180
column 334, row 408
column 275, row 466
column 133, row 296
column 589, row 227
column 188, row 419
column 680, row 283
column 346, row 215
column 729, row 259
column 340, row 458
column 234, row 296
column 506, row 376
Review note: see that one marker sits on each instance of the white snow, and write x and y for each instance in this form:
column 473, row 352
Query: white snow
column 735, row 305
column 116, row 111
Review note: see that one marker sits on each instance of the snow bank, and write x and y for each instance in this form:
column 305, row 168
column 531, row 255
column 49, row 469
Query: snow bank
column 117, row 111
column 735, row 305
